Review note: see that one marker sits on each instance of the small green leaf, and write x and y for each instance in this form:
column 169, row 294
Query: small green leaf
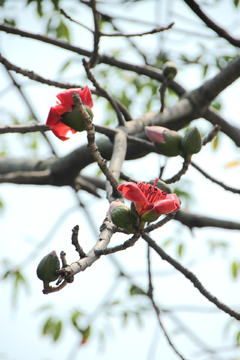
column 205, row 69
column 58, row 330
column 62, row 31
column 167, row 242
column 85, row 334
column 216, row 105
column 125, row 318
column 238, row 338
column 180, row 250
column 11, row 22
column 215, row 142
column 64, row 67
column 55, row 4
column 234, row 270
column 47, row 325
column 135, row 290
column 236, row 3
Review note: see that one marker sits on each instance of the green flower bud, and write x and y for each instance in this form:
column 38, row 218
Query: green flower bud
column 172, row 144
column 169, row 70
column 161, row 185
column 46, row 270
column 121, row 216
column 192, row 142
column 74, row 118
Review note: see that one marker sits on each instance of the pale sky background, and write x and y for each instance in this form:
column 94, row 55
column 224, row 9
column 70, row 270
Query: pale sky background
column 31, row 212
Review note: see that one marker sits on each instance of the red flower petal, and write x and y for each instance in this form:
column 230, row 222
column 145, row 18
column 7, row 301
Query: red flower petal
column 131, row 191
column 167, row 205
column 65, row 105
column 66, row 96
column 86, row 97
column 146, row 197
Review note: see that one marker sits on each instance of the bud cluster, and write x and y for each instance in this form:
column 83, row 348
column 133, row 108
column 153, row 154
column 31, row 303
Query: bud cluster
column 171, row 143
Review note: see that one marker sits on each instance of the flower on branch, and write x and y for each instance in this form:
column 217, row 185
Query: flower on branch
column 65, row 117
column 149, row 200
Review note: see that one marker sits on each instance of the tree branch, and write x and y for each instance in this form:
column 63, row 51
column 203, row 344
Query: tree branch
column 192, row 220
column 190, row 276
column 212, row 25
column 220, row 183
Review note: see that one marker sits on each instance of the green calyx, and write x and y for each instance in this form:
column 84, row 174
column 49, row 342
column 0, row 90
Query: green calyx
column 169, row 70
column 150, row 216
column 192, row 142
column 46, row 270
column 74, row 118
column 162, row 185
column 172, row 144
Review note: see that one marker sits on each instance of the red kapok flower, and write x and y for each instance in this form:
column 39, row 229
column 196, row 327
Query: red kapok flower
column 65, row 105
column 147, row 197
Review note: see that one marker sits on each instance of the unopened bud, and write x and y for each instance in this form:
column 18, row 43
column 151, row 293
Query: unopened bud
column 169, row 70
column 121, row 216
column 192, row 142
column 74, row 118
column 46, row 270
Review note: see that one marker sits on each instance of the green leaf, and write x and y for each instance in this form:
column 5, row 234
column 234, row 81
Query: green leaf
column 55, row 4
column 11, row 22
column 47, row 325
column 205, row 69
column 58, row 330
column 39, row 6
column 64, row 67
column 52, row 328
column 62, row 31
column 234, row 270
column 180, row 250
column 238, row 338
column 85, row 334
column 236, row 3
column 215, row 142
column 125, row 318
column 167, row 242
column 216, row 105
column 135, row 290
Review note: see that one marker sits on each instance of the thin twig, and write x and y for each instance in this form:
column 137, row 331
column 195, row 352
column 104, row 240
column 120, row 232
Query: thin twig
column 160, row 223
column 212, row 25
column 118, row 34
column 128, row 243
column 23, row 129
column 190, row 276
column 156, row 308
column 220, row 183
column 208, row 138
column 96, row 35
column 30, row 108
column 150, row 71
column 63, row 12
column 178, row 176
column 102, row 163
column 162, row 91
column 103, row 91
column 75, row 242
column 52, row 289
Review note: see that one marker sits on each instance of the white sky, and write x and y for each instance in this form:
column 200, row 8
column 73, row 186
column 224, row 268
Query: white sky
column 30, row 212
